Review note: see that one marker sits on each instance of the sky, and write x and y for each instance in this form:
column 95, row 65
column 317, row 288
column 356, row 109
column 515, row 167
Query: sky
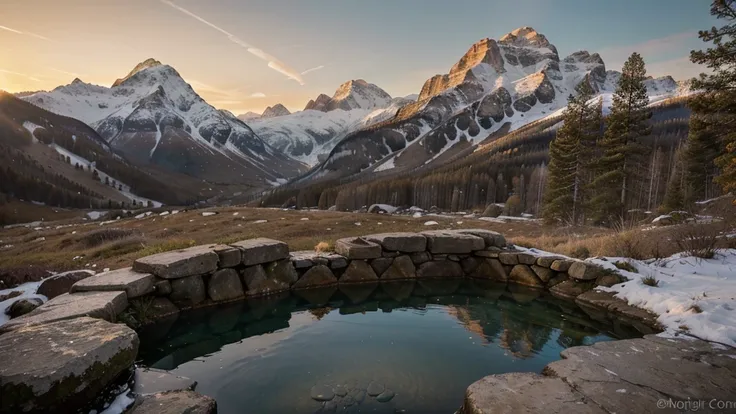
column 244, row 55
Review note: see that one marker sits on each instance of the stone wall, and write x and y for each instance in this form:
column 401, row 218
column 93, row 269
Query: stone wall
column 167, row 283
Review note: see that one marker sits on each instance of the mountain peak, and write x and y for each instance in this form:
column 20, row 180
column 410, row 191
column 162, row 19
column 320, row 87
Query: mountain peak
column 274, row 111
column 358, row 93
column 524, row 37
column 148, row 63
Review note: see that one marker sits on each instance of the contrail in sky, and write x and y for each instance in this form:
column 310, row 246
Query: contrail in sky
column 313, row 69
column 273, row 62
column 38, row 36
column 10, row 72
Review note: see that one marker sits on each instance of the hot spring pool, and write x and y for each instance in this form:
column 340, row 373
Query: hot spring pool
column 389, row 348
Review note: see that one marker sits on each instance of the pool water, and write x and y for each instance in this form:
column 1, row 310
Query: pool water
column 390, row 348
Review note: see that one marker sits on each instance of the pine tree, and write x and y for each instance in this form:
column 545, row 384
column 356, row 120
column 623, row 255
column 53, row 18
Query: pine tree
column 622, row 152
column 717, row 104
column 570, row 153
column 699, row 159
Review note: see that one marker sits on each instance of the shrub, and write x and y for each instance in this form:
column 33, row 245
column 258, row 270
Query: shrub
column 513, row 206
column 650, row 281
column 628, row 244
column 697, row 240
column 626, row 266
column 99, row 237
column 580, row 252
column 492, row 210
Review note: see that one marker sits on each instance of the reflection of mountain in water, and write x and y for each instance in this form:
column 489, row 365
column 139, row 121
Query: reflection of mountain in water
column 518, row 321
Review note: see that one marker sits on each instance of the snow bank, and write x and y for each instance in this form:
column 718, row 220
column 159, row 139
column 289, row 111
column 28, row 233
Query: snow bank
column 694, row 295
column 28, row 292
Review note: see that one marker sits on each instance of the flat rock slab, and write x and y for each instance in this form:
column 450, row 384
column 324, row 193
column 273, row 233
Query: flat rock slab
column 134, row 284
column 400, row 242
column 151, row 381
column 450, row 242
column 60, row 366
column 491, row 238
column 628, row 375
column 174, row 402
column 101, row 305
column 357, row 248
column 197, row 260
column 524, row 393
column 613, row 307
column 262, row 250
column 229, row 256
column 585, row 271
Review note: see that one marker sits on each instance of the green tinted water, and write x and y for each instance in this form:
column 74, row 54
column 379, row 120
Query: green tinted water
column 418, row 346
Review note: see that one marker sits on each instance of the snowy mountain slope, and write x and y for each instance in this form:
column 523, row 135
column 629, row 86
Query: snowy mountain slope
column 310, row 135
column 496, row 86
column 152, row 106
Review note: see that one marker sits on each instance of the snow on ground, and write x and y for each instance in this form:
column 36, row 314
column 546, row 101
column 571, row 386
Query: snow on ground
column 31, row 127
column 686, row 285
column 505, row 219
column 122, row 188
column 28, row 292
column 431, row 223
column 94, row 215
column 388, row 165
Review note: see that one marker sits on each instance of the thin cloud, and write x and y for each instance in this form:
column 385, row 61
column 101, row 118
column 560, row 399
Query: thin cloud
column 38, row 36
column 23, row 75
column 313, row 69
column 273, row 62
column 258, row 95
column 676, row 42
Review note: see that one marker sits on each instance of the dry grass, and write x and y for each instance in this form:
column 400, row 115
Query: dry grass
column 324, row 247
column 129, row 238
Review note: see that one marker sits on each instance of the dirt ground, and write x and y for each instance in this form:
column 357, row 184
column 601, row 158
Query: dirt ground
column 76, row 243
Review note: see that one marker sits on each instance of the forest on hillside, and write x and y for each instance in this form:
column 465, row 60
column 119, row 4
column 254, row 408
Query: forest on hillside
column 514, row 165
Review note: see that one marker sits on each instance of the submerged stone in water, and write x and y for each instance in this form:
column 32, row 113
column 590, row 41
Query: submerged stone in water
column 385, row 396
column 340, row 391
column 375, row 388
column 322, row 393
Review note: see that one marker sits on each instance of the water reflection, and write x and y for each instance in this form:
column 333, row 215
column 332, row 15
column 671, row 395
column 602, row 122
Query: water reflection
column 424, row 341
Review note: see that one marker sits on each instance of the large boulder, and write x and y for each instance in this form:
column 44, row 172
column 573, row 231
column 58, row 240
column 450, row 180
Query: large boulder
column 570, row 289
column 359, row 271
column 60, row 283
column 274, row 278
column 132, row 283
column 61, row 366
column 490, row 269
column 188, row 291
column 262, row 250
column 102, row 305
column 401, row 268
column 400, row 242
column 585, row 271
column 317, row 276
column 174, row 402
column 525, row 276
column 194, row 261
column 23, row 306
column 225, row 285
column 440, row 269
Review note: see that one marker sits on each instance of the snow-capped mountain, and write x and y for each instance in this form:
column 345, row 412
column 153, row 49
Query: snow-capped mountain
column 310, row 135
column 497, row 86
column 248, row 116
column 153, row 116
column 274, row 111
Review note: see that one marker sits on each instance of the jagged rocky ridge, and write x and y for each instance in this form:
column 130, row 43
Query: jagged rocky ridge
column 497, row 86
column 153, row 116
column 310, row 135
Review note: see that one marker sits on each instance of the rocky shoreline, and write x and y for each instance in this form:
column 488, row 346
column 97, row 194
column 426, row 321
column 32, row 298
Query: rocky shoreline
column 82, row 322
